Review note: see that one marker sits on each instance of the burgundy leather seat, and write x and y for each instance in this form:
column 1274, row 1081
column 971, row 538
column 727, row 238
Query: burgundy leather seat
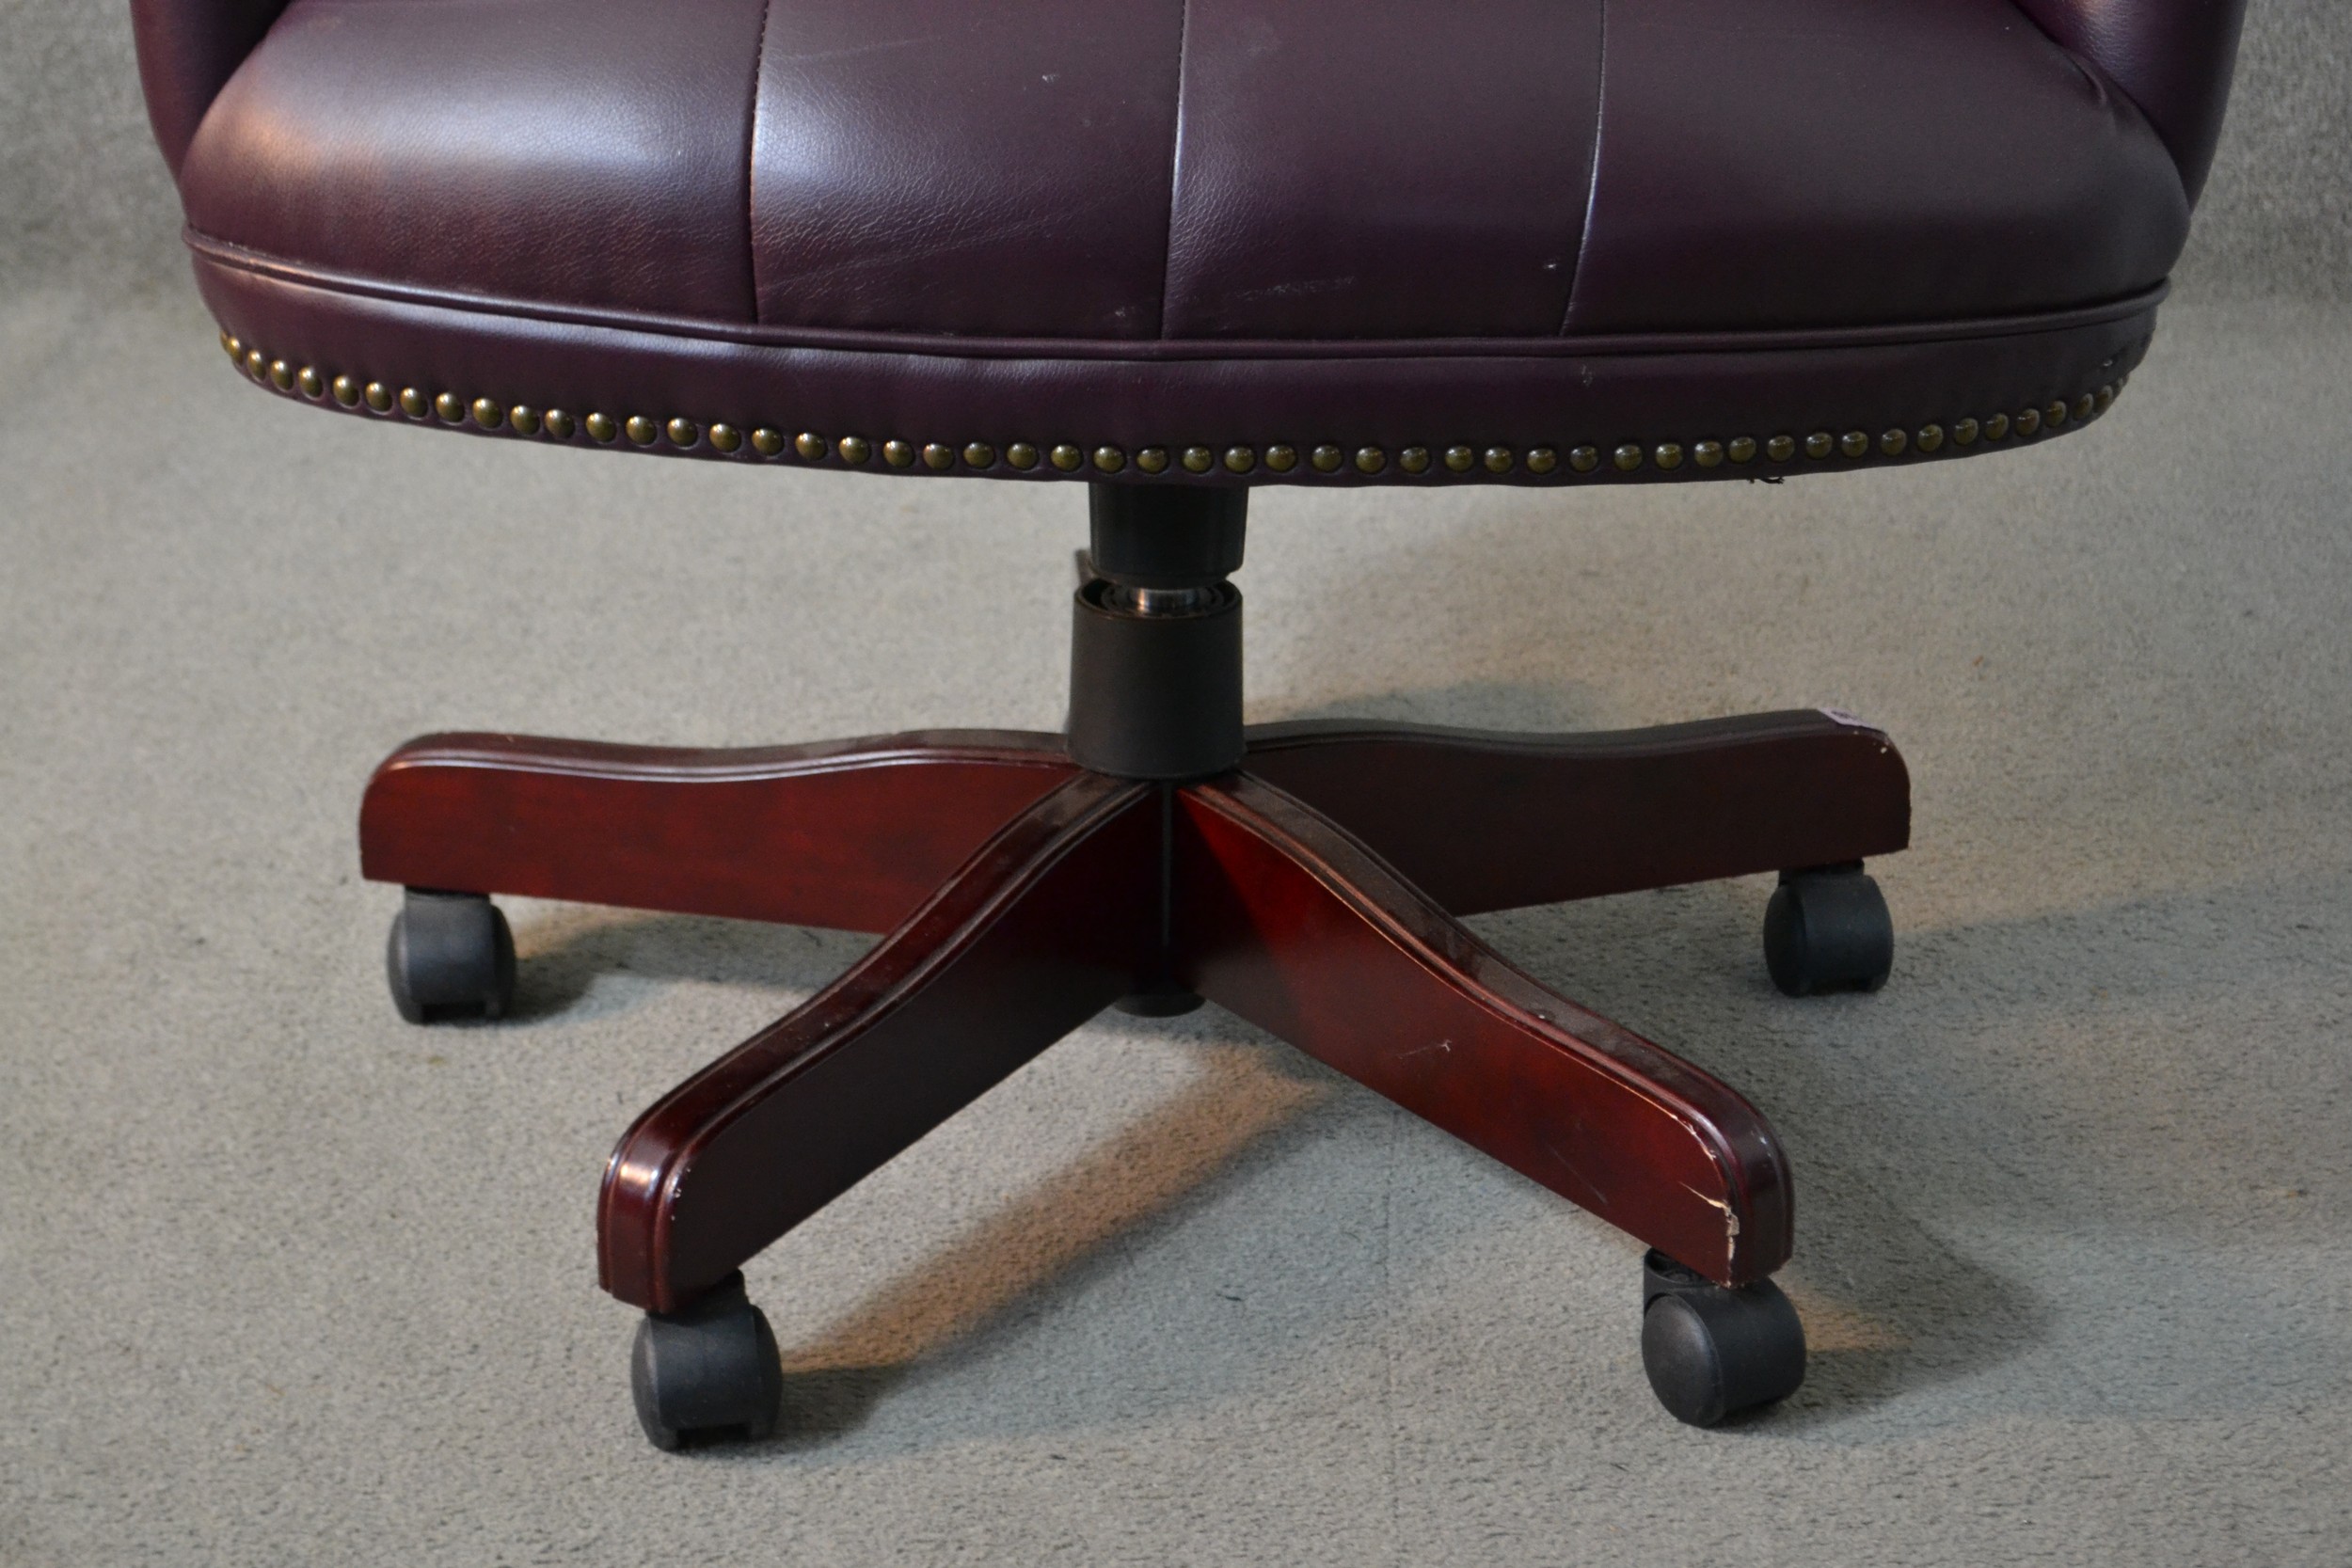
column 1550, row 241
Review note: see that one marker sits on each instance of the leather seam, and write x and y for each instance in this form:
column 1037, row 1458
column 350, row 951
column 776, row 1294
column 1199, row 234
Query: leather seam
column 751, row 143
column 1175, row 165
column 1592, row 188
column 211, row 251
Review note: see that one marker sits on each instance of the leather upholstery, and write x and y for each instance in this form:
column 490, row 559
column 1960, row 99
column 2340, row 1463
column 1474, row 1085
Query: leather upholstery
column 2172, row 57
column 1354, row 221
column 187, row 50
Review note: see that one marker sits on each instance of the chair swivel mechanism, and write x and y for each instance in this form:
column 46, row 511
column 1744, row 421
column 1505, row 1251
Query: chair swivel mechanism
column 1177, row 250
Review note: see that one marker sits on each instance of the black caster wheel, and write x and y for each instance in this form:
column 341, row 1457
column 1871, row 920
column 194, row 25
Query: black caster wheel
column 708, row 1374
column 1828, row 929
column 449, row 955
column 1711, row 1351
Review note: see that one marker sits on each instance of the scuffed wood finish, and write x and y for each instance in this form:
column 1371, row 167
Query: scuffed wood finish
column 851, row 834
column 1488, row 821
column 1287, row 920
column 1051, row 922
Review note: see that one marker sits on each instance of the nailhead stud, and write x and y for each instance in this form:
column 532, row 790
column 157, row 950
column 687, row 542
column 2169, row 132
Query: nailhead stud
column 346, row 391
column 451, row 408
column 1707, row 454
column 1153, row 460
column 523, row 419
column 1022, row 455
column 1930, row 438
column 2054, row 414
column 684, row 433
column 2029, row 421
column 726, row 437
column 1066, row 457
column 1669, row 455
column 1499, row 459
column 1461, row 460
column 2086, row 405
column 1110, row 460
column 1414, row 460
column 1370, row 460
column 559, row 424
column 1240, row 460
column 1854, row 443
column 1542, row 460
column 898, row 453
column 1965, row 432
column 854, row 449
column 1198, row 460
column 1740, row 448
column 2103, row 400
column 980, row 454
column 1585, row 459
column 1281, row 457
column 1780, row 448
column 414, row 403
column 1819, row 445
column 1328, row 458
column 809, row 446
column 312, row 383
column 1996, row 428
column 642, row 429
column 1892, row 442
column 601, row 428
column 1627, row 457
column 380, row 397
column 281, row 375
column 487, row 414
column 938, row 457
column 769, row 441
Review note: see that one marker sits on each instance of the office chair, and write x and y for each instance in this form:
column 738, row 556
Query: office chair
column 1176, row 249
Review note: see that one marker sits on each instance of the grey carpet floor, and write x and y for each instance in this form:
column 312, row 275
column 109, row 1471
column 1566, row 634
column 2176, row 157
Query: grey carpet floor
column 283, row 1280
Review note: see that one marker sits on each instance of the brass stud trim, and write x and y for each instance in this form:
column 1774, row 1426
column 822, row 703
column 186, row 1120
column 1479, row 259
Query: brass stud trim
column 1279, row 457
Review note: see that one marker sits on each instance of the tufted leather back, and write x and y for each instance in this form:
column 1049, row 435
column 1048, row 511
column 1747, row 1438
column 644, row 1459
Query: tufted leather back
column 2172, row 56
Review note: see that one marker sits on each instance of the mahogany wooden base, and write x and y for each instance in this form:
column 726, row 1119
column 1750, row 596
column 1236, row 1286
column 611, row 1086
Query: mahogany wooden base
column 1313, row 892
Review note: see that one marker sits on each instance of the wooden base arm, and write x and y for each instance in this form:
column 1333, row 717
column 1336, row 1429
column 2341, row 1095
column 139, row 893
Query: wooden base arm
column 1050, row 922
column 852, row 835
column 1286, row 920
column 1490, row 821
